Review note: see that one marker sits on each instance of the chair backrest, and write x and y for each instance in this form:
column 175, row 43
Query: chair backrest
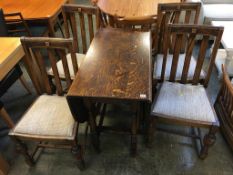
column 16, row 24
column 183, row 13
column 3, row 26
column 224, row 107
column 191, row 32
column 225, row 97
column 77, row 27
column 43, row 53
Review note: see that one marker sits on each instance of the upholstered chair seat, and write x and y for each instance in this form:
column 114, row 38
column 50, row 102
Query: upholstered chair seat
column 186, row 102
column 49, row 117
column 80, row 58
column 159, row 62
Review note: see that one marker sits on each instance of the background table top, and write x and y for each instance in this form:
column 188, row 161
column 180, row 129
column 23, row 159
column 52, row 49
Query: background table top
column 227, row 40
column 11, row 52
column 117, row 66
column 131, row 8
column 32, row 9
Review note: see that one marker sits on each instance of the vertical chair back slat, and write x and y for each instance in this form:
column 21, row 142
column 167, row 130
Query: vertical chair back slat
column 65, row 65
column 189, row 51
column 191, row 32
column 212, row 57
column 53, row 62
column 40, row 61
column 46, row 52
column 200, row 59
column 91, row 28
column 74, row 29
column 83, row 32
column 78, row 14
column 178, row 43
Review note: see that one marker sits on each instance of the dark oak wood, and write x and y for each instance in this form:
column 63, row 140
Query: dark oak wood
column 224, row 108
column 37, row 11
column 184, row 13
column 117, row 65
column 190, row 31
column 117, row 68
column 35, row 59
column 76, row 26
column 57, row 49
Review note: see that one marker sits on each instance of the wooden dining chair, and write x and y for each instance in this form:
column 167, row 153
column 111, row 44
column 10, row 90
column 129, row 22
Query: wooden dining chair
column 182, row 103
column 184, row 13
column 48, row 121
column 75, row 26
column 224, row 107
column 15, row 73
column 17, row 26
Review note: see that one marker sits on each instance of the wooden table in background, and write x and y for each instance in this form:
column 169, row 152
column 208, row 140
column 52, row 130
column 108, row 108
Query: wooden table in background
column 41, row 11
column 116, row 69
column 11, row 52
column 131, row 8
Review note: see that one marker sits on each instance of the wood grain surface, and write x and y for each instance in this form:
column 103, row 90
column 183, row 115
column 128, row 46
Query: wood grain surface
column 11, row 52
column 117, row 66
column 32, row 9
column 131, row 8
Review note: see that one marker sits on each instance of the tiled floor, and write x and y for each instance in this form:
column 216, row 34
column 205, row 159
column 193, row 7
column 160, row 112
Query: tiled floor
column 170, row 154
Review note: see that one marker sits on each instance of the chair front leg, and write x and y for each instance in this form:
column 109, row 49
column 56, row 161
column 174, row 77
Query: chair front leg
column 209, row 140
column 23, row 149
column 78, row 151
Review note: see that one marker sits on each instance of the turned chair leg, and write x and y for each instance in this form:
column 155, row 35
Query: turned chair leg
column 151, row 130
column 78, row 152
column 23, row 149
column 208, row 141
column 24, row 83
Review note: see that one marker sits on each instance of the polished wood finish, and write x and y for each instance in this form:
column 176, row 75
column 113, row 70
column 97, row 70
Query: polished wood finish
column 4, row 166
column 183, row 13
column 55, row 48
column 39, row 11
column 132, row 8
column 72, row 12
column 224, row 108
column 32, row 10
column 5, row 116
column 176, row 33
column 117, row 67
column 190, row 32
column 11, row 53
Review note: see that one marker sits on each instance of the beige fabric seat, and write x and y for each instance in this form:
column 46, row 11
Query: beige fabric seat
column 80, row 58
column 181, row 101
column 159, row 63
column 49, row 116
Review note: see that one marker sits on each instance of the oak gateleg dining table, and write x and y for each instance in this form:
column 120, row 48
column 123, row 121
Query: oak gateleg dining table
column 117, row 68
